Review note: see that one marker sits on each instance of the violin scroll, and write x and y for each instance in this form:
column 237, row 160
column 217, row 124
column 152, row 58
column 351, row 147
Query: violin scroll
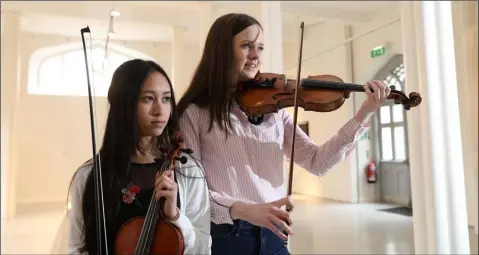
column 399, row 97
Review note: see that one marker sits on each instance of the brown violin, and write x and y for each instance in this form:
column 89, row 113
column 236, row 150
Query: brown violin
column 152, row 234
column 270, row 92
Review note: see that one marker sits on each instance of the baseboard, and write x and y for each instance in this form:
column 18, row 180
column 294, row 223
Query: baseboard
column 40, row 207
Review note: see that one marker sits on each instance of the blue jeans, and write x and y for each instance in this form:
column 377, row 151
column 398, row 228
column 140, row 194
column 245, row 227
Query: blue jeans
column 244, row 238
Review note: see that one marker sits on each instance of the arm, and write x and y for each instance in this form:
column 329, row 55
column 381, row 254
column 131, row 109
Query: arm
column 75, row 217
column 194, row 218
column 318, row 159
column 190, row 128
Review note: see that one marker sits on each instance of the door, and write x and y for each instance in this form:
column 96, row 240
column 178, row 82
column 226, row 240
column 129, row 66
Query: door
column 393, row 164
column 393, row 168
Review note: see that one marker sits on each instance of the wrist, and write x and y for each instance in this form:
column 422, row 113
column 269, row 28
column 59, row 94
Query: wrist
column 174, row 216
column 363, row 114
column 237, row 210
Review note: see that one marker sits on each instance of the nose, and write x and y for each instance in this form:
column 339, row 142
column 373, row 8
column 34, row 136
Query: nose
column 157, row 108
column 253, row 54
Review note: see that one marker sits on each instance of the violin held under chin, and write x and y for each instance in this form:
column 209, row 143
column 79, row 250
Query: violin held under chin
column 270, row 92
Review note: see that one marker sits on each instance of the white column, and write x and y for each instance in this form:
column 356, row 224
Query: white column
column 437, row 172
column 178, row 49
column 9, row 97
column 465, row 33
column 205, row 15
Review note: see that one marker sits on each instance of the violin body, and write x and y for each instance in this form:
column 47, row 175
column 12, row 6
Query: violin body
column 270, row 92
column 166, row 239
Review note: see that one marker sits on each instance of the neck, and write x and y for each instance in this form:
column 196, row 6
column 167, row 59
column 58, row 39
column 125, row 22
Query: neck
column 333, row 85
column 148, row 147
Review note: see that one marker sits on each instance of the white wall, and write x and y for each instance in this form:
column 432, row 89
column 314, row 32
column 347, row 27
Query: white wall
column 364, row 69
column 339, row 184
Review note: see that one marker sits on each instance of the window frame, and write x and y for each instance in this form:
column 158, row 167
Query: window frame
column 42, row 55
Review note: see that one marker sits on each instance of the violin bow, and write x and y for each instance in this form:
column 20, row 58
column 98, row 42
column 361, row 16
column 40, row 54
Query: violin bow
column 102, row 244
column 295, row 121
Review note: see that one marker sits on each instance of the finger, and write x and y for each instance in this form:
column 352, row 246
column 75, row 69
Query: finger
column 168, row 173
column 290, row 204
column 283, row 201
column 168, row 194
column 388, row 91
column 284, row 215
column 382, row 90
column 278, row 222
column 276, row 230
column 169, row 181
column 166, row 186
column 376, row 95
column 158, row 180
column 367, row 89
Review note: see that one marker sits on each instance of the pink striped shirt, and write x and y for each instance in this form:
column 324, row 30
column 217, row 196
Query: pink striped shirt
column 248, row 166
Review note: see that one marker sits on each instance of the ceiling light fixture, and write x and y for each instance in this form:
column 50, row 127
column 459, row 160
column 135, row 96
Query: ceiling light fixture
column 115, row 13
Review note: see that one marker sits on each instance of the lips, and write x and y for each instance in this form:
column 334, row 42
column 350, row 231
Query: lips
column 158, row 123
column 251, row 65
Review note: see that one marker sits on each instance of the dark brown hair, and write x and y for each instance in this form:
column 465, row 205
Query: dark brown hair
column 216, row 76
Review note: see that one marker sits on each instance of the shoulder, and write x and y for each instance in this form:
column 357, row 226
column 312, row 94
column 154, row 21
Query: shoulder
column 191, row 169
column 193, row 110
column 81, row 175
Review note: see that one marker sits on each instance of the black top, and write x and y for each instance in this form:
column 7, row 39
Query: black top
column 136, row 196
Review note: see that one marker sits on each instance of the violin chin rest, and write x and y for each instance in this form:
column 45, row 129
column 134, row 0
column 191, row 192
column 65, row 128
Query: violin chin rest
column 255, row 120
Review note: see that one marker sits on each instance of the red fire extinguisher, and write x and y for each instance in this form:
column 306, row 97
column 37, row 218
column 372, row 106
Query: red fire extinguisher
column 371, row 172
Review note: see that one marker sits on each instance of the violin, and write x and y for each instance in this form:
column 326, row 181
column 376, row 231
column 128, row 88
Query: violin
column 270, row 92
column 151, row 234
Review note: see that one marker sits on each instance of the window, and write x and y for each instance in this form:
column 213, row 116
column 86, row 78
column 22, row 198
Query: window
column 64, row 73
column 391, row 117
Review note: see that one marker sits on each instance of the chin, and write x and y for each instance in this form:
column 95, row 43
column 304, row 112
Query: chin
column 156, row 132
column 249, row 75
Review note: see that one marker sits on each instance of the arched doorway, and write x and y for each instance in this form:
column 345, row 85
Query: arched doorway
column 391, row 143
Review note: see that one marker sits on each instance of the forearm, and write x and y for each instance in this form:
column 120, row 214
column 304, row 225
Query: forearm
column 363, row 115
column 318, row 159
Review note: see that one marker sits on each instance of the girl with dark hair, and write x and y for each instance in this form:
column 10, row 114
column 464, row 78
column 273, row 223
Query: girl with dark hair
column 244, row 162
column 142, row 122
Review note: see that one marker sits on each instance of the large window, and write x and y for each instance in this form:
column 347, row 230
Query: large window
column 65, row 73
column 392, row 130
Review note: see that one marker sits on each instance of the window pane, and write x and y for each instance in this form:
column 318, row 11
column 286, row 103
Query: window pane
column 399, row 143
column 386, row 144
column 50, row 74
column 385, row 115
column 398, row 113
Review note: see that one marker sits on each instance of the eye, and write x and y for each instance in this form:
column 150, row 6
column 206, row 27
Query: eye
column 166, row 99
column 148, row 98
column 247, row 45
column 261, row 48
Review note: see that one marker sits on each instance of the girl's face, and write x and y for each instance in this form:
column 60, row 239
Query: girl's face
column 154, row 105
column 248, row 47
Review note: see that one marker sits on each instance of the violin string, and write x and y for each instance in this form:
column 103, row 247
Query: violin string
column 347, row 40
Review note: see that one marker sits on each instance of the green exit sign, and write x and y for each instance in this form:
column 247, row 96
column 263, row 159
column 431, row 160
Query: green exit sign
column 378, row 51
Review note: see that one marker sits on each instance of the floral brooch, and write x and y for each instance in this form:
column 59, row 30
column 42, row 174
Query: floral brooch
column 129, row 193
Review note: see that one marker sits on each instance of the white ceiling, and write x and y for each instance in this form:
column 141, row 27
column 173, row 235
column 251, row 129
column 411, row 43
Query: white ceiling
column 152, row 20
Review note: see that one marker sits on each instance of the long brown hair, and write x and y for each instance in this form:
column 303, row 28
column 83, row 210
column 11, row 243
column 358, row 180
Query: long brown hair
column 216, row 74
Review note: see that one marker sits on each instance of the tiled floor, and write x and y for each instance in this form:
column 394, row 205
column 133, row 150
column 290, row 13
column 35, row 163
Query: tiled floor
column 321, row 227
